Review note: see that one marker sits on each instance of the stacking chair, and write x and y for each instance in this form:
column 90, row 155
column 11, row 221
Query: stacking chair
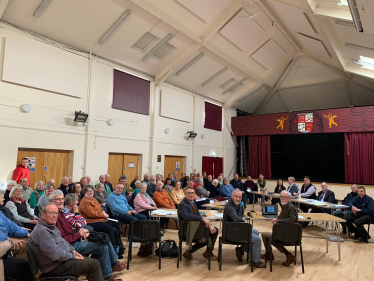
column 286, row 235
column 144, row 231
column 110, row 214
column 202, row 232
column 236, row 233
column 34, row 268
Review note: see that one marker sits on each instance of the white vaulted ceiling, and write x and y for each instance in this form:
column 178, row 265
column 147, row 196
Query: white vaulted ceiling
column 294, row 55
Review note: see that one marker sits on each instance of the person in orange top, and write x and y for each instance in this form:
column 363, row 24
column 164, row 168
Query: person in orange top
column 92, row 211
column 162, row 198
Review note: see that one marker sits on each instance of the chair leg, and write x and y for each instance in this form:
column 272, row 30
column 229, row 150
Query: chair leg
column 129, row 256
column 159, row 258
column 271, row 260
column 220, row 255
column 302, row 259
column 247, row 254
column 124, row 233
column 180, row 250
column 295, row 255
column 250, row 249
column 208, row 256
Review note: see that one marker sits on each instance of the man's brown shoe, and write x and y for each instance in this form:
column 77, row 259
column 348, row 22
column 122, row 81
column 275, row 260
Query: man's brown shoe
column 119, row 267
column 188, row 255
column 212, row 256
column 260, row 264
column 290, row 259
column 267, row 256
column 239, row 253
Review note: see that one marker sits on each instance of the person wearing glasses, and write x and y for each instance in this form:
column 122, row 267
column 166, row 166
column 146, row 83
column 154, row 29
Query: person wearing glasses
column 288, row 215
column 187, row 210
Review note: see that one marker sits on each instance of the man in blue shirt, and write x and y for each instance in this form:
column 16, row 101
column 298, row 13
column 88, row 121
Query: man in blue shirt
column 362, row 212
column 226, row 188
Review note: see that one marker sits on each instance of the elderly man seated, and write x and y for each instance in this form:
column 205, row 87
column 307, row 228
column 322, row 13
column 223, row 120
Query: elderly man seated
column 187, row 210
column 288, row 215
column 54, row 255
column 234, row 212
column 162, row 198
column 104, row 252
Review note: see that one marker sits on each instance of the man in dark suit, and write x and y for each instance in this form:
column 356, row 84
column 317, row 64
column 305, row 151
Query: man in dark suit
column 187, row 210
column 324, row 195
column 234, row 212
column 288, row 215
column 237, row 183
column 293, row 187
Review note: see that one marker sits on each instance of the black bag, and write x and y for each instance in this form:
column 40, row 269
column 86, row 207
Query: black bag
column 120, row 249
column 169, row 249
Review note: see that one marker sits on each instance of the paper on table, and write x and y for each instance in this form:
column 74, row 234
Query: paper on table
column 218, row 215
column 109, row 219
column 158, row 212
column 171, row 212
column 248, row 190
column 200, row 199
column 301, row 217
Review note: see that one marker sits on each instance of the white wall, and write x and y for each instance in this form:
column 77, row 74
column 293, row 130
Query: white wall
column 50, row 123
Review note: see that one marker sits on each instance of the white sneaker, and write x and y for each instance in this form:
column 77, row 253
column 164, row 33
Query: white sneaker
column 134, row 245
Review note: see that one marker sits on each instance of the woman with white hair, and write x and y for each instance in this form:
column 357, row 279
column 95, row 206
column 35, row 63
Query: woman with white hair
column 36, row 194
column 20, row 208
column 9, row 186
column 44, row 200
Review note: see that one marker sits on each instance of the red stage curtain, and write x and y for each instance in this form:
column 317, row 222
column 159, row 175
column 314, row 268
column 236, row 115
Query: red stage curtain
column 259, row 156
column 208, row 165
column 218, row 166
column 213, row 117
column 359, row 158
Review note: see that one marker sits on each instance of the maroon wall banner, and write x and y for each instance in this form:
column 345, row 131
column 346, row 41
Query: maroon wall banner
column 357, row 119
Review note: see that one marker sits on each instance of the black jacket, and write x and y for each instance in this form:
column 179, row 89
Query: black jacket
column 214, row 191
column 292, row 189
column 237, row 184
column 10, row 215
column 233, row 213
column 329, row 196
column 65, row 189
column 185, row 211
column 349, row 198
column 288, row 214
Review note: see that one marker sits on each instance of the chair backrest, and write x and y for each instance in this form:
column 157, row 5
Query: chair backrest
column 201, row 232
column 287, row 234
column 145, row 230
column 32, row 260
column 237, row 232
column 109, row 212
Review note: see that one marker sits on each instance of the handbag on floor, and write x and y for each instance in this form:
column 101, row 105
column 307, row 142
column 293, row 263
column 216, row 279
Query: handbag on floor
column 169, row 249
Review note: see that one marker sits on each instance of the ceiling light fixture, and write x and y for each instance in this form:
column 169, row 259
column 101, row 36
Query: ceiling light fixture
column 41, row 8
column 346, row 23
column 358, row 47
column 214, row 76
column 26, row 108
column 114, row 26
column 184, row 68
column 110, row 122
column 234, row 86
column 155, row 48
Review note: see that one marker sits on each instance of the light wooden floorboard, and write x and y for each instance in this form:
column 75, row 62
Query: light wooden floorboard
column 356, row 264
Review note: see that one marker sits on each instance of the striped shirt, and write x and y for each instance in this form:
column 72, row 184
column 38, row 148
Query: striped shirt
column 75, row 220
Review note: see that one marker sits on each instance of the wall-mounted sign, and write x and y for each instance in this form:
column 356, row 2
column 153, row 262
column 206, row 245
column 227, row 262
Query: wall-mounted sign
column 213, row 154
column 131, row 165
column 178, row 166
column 158, row 158
column 31, row 165
column 45, row 168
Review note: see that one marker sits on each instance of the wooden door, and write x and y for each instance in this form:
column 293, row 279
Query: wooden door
column 173, row 164
column 131, row 162
column 56, row 161
column 57, row 164
column 115, row 167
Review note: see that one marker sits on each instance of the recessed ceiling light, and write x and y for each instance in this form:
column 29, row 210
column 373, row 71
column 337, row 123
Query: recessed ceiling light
column 144, row 42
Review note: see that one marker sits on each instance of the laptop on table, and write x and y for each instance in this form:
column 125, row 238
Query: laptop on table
column 270, row 211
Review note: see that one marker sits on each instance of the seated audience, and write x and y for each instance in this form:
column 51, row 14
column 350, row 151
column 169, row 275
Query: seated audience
column 226, row 188
column 362, row 212
column 106, row 187
column 292, row 187
column 208, row 181
column 234, row 212
column 44, row 199
column 51, row 180
column 146, row 179
column 220, row 180
column 168, row 185
column 121, row 209
column 249, row 186
column 16, row 266
column 77, row 190
column 96, row 217
column 9, row 186
column 308, row 190
column 183, row 175
column 22, row 171
column 288, row 215
column 151, row 188
column 324, row 195
column 137, row 178
column 20, row 208
column 6, row 212
column 143, row 202
column 162, row 198
column 278, row 189
column 101, row 195
column 27, row 190
column 171, row 177
column 70, row 182
column 54, row 255
column 138, row 184
column 128, row 190
column 71, row 212
column 83, row 181
column 107, row 178
column 213, row 189
column 185, row 181
column 261, row 186
column 187, row 210
column 200, row 189
column 346, row 200
column 102, row 251
column 237, row 183
column 64, row 186
column 177, row 194
column 36, row 194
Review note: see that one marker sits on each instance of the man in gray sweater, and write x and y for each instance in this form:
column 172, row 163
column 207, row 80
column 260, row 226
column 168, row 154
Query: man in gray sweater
column 55, row 256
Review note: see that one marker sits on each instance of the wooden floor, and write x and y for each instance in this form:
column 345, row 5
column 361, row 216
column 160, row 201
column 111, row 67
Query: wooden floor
column 356, row 264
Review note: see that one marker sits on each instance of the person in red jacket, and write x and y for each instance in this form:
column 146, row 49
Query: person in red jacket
column 22, row 171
